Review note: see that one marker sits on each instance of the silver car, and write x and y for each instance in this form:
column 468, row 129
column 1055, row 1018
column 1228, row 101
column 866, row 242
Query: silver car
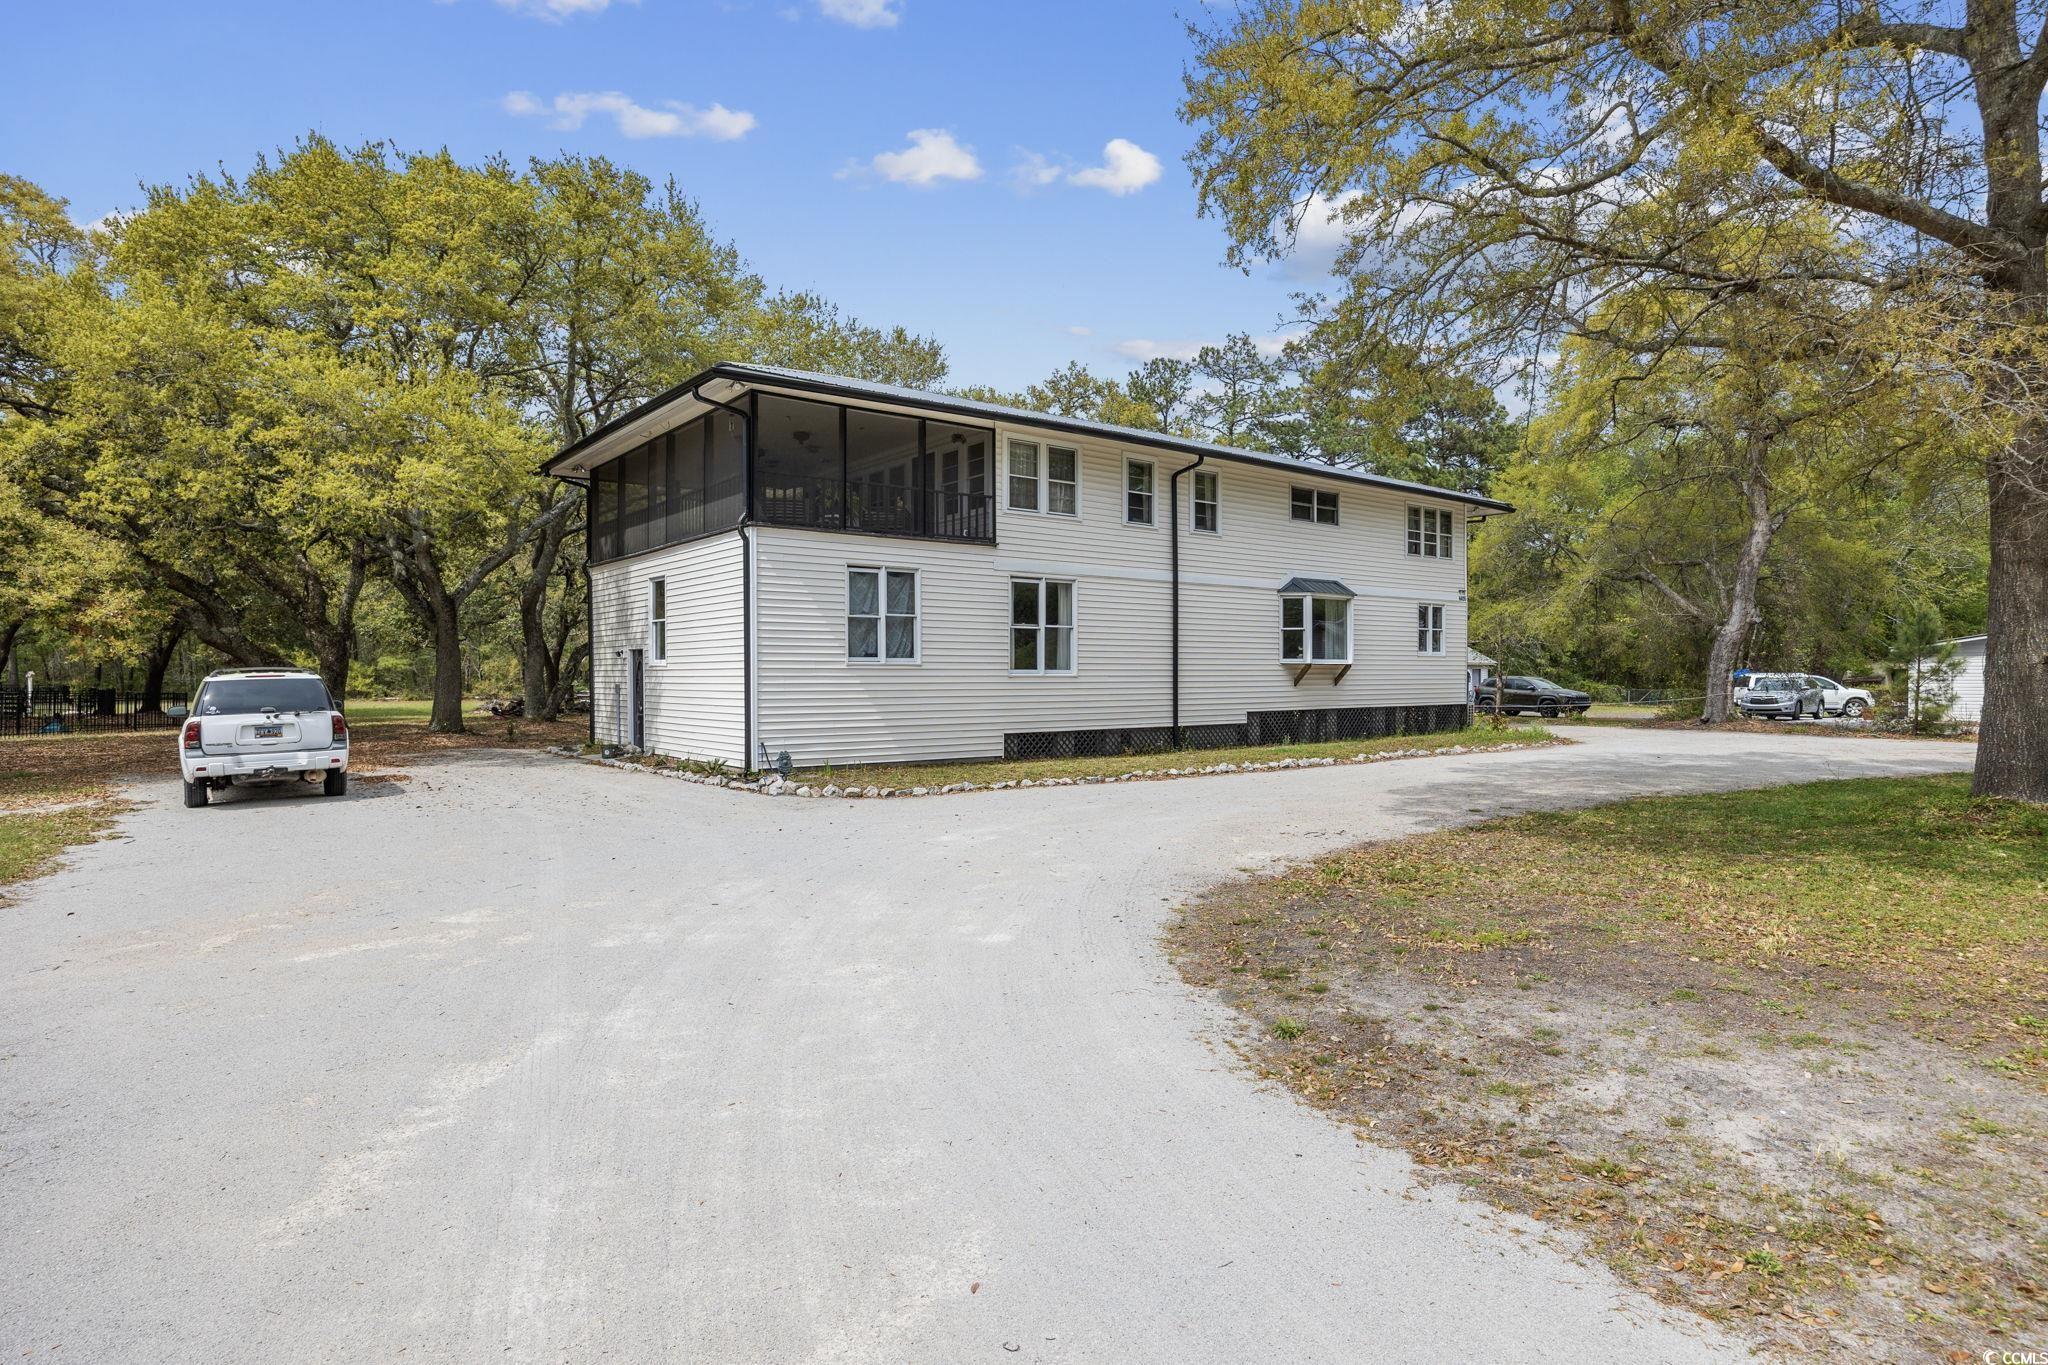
column 1782, row 696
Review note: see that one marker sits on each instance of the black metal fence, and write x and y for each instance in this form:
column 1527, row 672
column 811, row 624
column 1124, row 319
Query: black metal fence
column 60, row 709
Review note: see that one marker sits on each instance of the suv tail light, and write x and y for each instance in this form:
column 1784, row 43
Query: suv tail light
column 340, row 728
column 191, row 734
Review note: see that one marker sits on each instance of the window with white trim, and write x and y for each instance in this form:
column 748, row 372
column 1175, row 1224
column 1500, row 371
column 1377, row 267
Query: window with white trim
column 1062, row 481
column 1429, row 532
column 881, row 614
column 657, row 620
column 1045, row 479
column 1315, row 630
column 1429, row 629
column 1041, row 625
column 1313, row 504
column 1138, row 491
column 1023, row 476
column 1205, row 502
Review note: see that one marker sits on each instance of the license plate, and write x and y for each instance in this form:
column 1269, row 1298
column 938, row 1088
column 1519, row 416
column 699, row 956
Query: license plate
column 270, row 732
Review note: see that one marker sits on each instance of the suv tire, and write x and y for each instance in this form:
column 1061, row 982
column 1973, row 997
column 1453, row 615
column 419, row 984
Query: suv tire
column 1548, row 710
column 1854, row 708
column 335, row 783
column 195, row 794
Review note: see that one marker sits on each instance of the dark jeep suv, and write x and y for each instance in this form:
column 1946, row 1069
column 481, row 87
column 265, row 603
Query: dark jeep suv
column 1545, row 698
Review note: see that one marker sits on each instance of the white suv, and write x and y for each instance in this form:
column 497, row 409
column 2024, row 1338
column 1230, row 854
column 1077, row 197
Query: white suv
column 260, row 726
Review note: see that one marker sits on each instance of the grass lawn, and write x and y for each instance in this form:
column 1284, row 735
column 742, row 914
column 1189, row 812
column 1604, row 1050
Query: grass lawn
column 1781, row 1056
column 29, row 843
column 985, row 771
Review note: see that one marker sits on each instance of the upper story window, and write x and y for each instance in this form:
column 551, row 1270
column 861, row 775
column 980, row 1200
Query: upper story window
column 1314, row 504
column 1315, row 630
column 1045, row 479
column 1207, row 501
column 1429, row 629
column 1429, row 532
column 1138, row 491
column 657, row 620
column 881, row 614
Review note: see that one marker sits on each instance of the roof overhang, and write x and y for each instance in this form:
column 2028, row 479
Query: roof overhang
column 1315, row 587
column 727, row 380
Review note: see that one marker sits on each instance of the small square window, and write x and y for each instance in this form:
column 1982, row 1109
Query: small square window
column 1429, row 532
column 1318, row 505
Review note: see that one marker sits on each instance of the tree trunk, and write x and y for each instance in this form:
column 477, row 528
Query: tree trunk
column 159, row 662
column 2012, row 747
column 1742, row 614
column 7, row 634
column 447, row 713
column 537, row 654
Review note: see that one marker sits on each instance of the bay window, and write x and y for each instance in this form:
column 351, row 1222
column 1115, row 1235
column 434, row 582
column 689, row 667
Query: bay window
column 1315, row 630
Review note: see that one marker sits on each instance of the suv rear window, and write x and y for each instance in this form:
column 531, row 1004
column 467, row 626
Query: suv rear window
column 239, row 696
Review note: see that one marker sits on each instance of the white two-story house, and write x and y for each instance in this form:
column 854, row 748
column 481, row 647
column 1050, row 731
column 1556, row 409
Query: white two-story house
column 846, row 572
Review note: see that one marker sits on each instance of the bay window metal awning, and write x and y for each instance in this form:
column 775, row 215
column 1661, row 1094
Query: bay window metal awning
column 1315, row 587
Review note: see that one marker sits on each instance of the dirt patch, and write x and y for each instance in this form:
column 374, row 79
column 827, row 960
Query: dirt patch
column 1824, row 1147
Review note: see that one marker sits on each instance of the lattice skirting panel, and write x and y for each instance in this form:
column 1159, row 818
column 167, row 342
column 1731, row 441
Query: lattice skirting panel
column 1259, row 728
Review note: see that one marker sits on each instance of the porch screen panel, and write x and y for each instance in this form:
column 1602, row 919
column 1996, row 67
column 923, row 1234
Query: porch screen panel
column 798, row 468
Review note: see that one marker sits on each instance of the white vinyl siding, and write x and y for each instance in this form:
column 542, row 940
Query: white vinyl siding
column 965, row 695
column 693, row 703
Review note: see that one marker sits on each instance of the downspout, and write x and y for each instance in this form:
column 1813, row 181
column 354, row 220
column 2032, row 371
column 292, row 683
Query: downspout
column 1173, row 540
column 746, row 417
column 590, row 607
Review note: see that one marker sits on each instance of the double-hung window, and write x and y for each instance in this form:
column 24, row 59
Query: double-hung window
column 657, row 620
column 1206, row 502
column 1429, row 532
column 1138, row 491
column 1313, row 504
column 1315, row 630
column 881, row 614
column 1041, row 625
column 1429, row 629
column 1023, row 476
column 1045, row 479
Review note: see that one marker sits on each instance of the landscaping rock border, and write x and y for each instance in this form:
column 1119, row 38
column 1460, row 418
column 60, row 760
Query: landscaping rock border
column 773, row 785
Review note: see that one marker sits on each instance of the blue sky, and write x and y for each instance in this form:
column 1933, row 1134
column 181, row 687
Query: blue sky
column 1004, row 176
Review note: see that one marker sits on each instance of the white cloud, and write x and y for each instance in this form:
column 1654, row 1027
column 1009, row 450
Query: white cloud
column 862, row 13
column 1126, row 168
column 671, row 119
column 1145, row 348
column 1142, row 349
column 933, row 155
column 1035, row 170
column 1079, row 331
column 554, row 11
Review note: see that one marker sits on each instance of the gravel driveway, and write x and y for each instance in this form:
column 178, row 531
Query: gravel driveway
column 528, row 1060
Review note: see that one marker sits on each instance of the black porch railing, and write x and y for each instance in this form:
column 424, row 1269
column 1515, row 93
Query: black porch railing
column 60, row 709
column 877, row 507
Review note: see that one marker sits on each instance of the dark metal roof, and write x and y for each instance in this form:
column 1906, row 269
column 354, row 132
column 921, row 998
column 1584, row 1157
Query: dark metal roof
column 1317, row 587
column 837, row 386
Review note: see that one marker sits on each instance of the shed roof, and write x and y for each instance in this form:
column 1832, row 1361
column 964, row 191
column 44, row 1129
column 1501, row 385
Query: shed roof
column 1317, row 587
